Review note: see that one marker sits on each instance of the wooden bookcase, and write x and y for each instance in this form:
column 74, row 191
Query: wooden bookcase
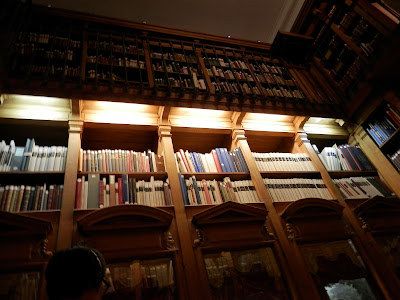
column 151, row 76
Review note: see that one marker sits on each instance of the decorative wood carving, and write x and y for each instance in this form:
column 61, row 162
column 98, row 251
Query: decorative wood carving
column 22, row 237
column 380, row 215
column 230, row 224
column 315, row 219
column 134, row 229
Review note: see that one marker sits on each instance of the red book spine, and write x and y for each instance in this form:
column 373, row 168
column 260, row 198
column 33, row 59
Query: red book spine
column 352, row 157
column 206, row 192
column 216, row 160
column 78, row 194
column 393, row 117
column 120, row 191
column 185, row 160
column 101, row 194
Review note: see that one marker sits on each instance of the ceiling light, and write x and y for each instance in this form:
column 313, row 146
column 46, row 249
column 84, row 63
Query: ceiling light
column 144, row 22
column 258, row 41
column 229, row 36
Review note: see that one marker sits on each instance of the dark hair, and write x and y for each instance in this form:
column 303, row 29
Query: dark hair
column 73, row 271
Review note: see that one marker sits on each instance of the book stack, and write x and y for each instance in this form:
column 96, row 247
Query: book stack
column 219, row 160
column 118, row 160
column 16, row 198
column 93, row 192
column 32, row 158
column 198, row 192
column 344, row 158
column 383, row 126
column 282, row 190
column 275, row 161
column 362, row 187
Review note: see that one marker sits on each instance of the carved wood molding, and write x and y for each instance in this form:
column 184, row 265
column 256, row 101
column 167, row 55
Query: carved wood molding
column 75, row 126
column 229, row 212
column 315, row 219
column 164, row 131
column 380, row 214
column 23, row 238
column 13, row 225
column 238, row 134
column 301, row 138
column 124, row 217
column 232, row 224
column 305, row 208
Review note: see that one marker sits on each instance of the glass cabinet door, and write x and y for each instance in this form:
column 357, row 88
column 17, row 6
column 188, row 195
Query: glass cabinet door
column 19, row 286
column 245, row 274
column 141, row 279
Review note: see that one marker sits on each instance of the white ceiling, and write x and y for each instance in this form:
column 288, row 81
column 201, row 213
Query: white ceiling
column 254, row 20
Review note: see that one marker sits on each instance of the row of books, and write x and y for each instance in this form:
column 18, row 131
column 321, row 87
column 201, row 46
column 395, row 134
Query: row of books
column 176, row 56
column 95, row 192
column 43, row 38
column 183, row 82
column 344, row 157
column 32, row 158
column 107, row 46
column 218, row 160
column 116, row 61
column 117, row 160
column 395, row 158
column 293, row 189
column 202, row 192
column 228, row 74
column 16, row 198
column 276, row 161
column 362, row 187
column 383, row 126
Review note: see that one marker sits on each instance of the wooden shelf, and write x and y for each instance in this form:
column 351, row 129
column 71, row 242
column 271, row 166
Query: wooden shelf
column 344, row 174
column 290, row 174
column 137, row 175
column 350, row 42
column 218, row 176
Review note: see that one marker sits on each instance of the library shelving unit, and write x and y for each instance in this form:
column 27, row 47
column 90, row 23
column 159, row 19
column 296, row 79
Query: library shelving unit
column 167, row 233
column 163, row 90
column 354, row 44
column 115, row 60
column 91, row 60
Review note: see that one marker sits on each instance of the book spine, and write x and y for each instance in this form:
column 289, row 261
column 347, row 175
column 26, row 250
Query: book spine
column 125, row 188
column 216, row 160
column 221, row 160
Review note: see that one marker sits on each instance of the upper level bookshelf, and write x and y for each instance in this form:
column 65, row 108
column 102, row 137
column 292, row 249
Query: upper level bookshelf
column 61, row 53
column 354, row 45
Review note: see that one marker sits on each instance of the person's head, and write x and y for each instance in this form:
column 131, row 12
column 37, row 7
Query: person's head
column 76, row 273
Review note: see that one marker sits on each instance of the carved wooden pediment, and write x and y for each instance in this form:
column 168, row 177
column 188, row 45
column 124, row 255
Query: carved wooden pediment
column 23, row 238
column 124, row 217
column 315, row 219
column 13, row 225
column 229, row 212
column 230, row 223
column 380, row 214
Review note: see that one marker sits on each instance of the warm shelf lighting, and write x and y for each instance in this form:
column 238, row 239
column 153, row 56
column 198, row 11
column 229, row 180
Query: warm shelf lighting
column 120, row 113
column 268, row 122
column 200, row 118
column 35, row 107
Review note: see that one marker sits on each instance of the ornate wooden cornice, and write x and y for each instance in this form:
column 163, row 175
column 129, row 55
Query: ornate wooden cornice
column 380, row 215
column 229, row 212
column 13, row 226
column 312, row 219
column 124, row 217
